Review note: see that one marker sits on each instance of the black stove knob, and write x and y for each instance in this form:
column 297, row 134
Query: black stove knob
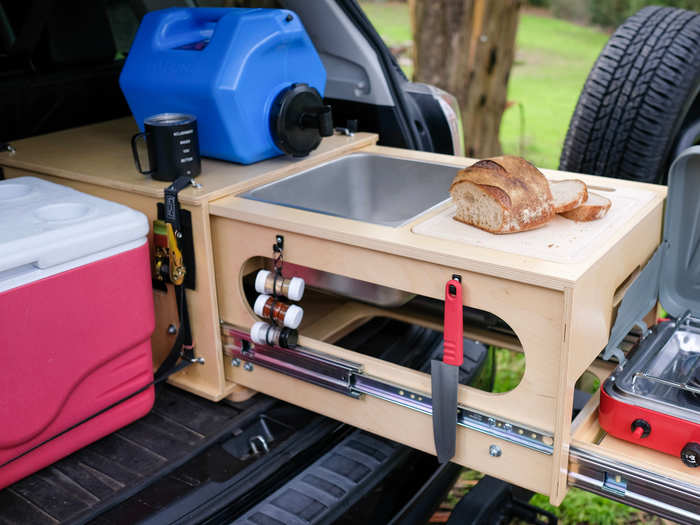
column 641, row 428
column 690, row 455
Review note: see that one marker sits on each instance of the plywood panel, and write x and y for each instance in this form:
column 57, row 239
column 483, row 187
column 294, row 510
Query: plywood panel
column 539, row 328
column 523, row 467
column 101, row 154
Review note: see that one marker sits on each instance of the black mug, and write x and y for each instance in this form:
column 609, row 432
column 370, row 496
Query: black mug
column 173, row 146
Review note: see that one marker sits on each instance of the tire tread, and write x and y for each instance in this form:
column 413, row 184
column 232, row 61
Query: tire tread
column 633, row 97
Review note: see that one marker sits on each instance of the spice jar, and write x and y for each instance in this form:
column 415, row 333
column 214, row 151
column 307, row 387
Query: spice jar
column 263, row 333
column 279, row 312
column 272, row 283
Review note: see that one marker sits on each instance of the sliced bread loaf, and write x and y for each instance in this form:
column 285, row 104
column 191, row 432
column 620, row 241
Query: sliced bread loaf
column 568, row 194
column 502, row 195
column 594, row 208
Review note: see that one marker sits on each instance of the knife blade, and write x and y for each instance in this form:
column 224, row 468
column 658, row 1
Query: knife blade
column 445, row 374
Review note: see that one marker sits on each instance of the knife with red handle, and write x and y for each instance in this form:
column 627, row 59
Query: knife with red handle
column 445, row 373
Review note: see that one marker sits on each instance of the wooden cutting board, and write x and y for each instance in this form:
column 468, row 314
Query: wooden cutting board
column 560, row 240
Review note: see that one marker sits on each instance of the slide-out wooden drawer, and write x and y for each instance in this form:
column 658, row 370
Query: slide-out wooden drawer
column 630, row 473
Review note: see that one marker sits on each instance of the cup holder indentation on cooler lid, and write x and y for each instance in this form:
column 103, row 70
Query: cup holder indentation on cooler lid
column 61, row 212
column 12, row 191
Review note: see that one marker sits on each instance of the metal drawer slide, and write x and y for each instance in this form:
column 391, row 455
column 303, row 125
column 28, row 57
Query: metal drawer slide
column 348, row 378
column 666, row 497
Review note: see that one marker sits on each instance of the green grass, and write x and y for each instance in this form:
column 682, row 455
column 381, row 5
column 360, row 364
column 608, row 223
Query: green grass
column 583, row 507
column 510, row 367
column 391, row 20
column 553, row 59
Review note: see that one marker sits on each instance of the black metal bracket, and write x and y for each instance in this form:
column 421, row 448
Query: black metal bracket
column 279, row 244
column 186, row 246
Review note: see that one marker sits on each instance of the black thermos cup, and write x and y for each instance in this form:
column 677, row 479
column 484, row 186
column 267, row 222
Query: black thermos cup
column 173, row 146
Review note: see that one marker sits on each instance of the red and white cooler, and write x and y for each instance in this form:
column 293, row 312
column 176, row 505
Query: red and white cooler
column 76, row 316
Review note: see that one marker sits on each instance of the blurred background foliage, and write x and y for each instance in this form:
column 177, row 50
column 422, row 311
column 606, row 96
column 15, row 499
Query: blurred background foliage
column 605, row 13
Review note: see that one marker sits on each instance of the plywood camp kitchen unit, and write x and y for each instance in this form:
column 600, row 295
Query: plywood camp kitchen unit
column 558, row 299
column 97, row 159
column 557, row 288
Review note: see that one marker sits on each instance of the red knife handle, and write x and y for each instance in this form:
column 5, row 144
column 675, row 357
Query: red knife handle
column 453, row 332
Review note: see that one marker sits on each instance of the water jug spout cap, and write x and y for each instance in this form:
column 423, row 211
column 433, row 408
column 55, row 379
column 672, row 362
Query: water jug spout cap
column 299, row 119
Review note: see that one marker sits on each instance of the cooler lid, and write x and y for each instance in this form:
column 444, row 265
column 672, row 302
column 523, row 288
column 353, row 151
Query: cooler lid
column 45, row 225
column 679, row 281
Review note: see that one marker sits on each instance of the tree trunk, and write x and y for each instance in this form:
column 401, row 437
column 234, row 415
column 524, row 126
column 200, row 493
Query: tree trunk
column 466, row 47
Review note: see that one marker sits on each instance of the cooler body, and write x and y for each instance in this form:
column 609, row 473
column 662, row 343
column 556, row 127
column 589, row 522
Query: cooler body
column 76, row 350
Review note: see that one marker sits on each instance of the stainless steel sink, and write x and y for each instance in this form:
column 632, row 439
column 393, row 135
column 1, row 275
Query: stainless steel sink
column 364, row 187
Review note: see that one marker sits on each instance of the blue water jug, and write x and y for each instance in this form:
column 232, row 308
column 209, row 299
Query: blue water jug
column 251, row 77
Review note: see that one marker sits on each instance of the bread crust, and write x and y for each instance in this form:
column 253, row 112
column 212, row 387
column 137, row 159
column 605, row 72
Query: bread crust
column 588, row 211
column 515, row 185
column 581, row 197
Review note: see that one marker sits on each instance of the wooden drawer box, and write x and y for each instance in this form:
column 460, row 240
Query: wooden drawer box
column 561, row 311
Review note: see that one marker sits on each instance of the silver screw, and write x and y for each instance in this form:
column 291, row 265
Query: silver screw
column 248, row 367
column 172, row 329
column 508, row 427
column 235, row 362
column 492, row 422
column 495, row 451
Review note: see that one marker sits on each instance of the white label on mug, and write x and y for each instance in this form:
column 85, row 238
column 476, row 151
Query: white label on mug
column 183, row 132
column 182, row 142
column 186, row 159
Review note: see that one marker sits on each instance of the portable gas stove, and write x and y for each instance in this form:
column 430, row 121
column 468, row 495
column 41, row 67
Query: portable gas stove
column 653, row 398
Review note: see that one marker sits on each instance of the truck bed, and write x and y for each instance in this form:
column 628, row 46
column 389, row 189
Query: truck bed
column 116, row 467
column 191, row 460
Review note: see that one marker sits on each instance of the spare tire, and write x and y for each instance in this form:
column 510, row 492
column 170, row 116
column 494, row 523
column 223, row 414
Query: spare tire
column 639, row 106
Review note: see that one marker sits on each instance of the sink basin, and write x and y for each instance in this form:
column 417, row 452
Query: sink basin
column 365, row 187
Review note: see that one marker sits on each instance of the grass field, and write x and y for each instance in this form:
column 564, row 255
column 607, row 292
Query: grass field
column 552, row 61
column 553, row 58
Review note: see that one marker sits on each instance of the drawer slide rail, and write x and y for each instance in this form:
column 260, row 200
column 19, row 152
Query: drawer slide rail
column 666, row 497
column 348, row 378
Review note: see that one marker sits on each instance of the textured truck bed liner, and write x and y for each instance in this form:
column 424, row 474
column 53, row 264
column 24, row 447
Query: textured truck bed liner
column 117, row 466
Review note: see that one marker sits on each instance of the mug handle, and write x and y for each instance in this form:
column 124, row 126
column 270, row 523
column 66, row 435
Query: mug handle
column 136, row 153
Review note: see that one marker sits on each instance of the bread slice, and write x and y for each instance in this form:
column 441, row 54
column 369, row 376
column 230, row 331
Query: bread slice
column 567, row 194
column 594, row 208
column 502, row 195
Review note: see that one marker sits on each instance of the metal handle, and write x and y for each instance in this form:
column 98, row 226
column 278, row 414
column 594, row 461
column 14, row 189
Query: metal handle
column 134, row 150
